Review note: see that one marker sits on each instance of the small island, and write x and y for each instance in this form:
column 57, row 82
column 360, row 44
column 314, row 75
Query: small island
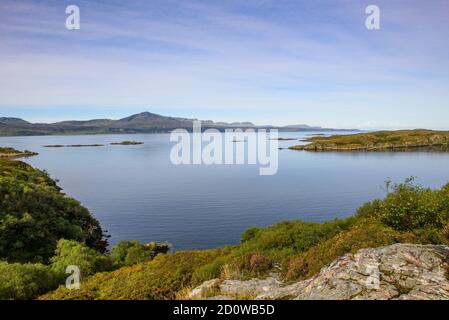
column 126, row 143
column 378, row 141
column 7, row 152
column 73, row 145
column 85, row 145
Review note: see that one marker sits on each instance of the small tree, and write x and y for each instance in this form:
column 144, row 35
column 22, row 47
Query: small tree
column 128, row 252
column 69, row 252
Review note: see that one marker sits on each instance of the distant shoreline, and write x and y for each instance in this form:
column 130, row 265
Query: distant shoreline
column 378, row 141
column 169, row 131
column 121, row 143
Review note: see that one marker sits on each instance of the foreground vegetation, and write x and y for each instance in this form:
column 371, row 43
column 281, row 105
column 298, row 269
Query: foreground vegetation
column 380, row 140
column 42, row 231
column 35, row 214
column 409, row 213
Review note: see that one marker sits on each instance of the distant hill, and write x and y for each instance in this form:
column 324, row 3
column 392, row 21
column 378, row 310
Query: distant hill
column 145, row 122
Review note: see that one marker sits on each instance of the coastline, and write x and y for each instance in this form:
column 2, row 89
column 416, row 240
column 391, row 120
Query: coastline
column 11, row 153
column 378, row 141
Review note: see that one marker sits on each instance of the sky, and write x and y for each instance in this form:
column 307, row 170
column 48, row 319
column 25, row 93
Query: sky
column 267, row 61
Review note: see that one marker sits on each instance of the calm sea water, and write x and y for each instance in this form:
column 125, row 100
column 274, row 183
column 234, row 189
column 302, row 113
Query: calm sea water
column 137, row 193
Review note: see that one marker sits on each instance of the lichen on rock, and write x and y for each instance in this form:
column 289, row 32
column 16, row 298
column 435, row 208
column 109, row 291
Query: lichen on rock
column 399, row 271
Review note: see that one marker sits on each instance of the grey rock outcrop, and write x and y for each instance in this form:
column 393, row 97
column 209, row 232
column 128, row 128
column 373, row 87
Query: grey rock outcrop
column 399, row 271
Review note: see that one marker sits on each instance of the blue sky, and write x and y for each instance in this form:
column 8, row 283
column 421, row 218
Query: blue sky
column 266, row 61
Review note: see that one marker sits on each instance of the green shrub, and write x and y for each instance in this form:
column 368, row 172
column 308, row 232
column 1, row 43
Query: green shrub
column 366, row 233
column 89, row 261
column 209, row 271
column 410, row 207
column 408, row 214
column 369, row 209
column 128, row 252
column 287, row 238
column 34, row 215
column 25, row 281
column 161, row 278
column 250, row 234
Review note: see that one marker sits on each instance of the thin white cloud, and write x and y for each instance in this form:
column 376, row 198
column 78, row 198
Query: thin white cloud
column 201, row 56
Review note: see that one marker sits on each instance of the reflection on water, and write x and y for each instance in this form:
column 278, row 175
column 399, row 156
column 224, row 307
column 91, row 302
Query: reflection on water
column 137, row 193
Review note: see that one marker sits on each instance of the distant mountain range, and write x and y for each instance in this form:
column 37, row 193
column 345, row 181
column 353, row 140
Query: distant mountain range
column 145, row 122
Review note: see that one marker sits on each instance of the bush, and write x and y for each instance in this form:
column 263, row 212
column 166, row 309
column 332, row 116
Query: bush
column 161, row 278
column 287, row 238
column 366, row 233
column 412, row 207
column 128, row 252
column 34, row 215
column 69, row 252
column 408, row 214
column 25, row 281
column 254, row 265
column 209, row 271
column 250, row 234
